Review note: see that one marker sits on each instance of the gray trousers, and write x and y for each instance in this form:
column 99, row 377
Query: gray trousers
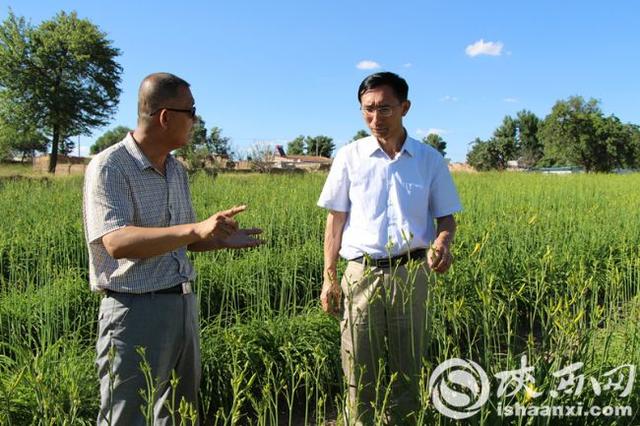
column 167, row 327
column 383, row 332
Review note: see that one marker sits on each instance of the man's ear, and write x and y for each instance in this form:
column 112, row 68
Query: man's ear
column 406, row 105
column 163, row 118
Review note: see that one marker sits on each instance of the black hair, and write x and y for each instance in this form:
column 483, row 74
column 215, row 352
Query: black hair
column 397, row 83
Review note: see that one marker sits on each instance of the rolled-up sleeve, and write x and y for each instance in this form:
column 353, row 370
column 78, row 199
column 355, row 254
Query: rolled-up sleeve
column 108, row 201
column 335, row 193
column 443, row 199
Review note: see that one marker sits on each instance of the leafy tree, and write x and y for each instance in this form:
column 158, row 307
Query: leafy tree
column 24, row 140
column 296, row 146
column 504, row 143
column 484, row 155
column 202, row 149
column 633, row 160
column 515, row 139
column 111, row 137
column 437, row 142
column 359, row 135
column 530, row 148
column 319, row 145
column 195, row 152
column 494, row 153
column 576, row 132
column 60, row 76
column 219, row 145
column 66, row 146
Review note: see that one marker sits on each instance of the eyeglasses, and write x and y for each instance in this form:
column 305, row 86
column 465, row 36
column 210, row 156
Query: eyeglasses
column 191, row 112
column 384, row 111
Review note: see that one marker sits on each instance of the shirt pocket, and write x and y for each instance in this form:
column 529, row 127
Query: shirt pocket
column 414, row 198
column 367, row 194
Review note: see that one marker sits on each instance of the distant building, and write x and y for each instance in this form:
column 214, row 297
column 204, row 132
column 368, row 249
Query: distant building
column 307, row 162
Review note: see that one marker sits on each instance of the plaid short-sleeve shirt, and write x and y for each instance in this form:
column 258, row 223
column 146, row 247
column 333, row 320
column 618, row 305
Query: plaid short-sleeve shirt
column 122, row 188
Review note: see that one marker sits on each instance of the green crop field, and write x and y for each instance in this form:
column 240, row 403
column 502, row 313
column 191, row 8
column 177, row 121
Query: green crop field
column 546, row 266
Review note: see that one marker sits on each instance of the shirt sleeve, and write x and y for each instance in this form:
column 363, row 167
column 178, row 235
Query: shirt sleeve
column 335, row 193
column 108, row 201
column 443, row 198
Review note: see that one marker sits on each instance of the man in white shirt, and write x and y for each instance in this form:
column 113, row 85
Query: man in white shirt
column 384, row 193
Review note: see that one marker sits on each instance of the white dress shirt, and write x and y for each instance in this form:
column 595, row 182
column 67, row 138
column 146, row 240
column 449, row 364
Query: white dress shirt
column 392, row 202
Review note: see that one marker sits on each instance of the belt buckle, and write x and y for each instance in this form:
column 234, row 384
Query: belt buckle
column 186, row 288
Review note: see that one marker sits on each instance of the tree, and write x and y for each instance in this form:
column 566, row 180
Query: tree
column 576, row 132
column 261, row 157
column 201, row 151
column 530, row 148
column 494, row 153
column 60, row 76
column 483, row 155
column 437, row 142
column 296, row 146
column 24, row 140
column 504, row 143
column 111, row 137
column 515, row 139
column 219, row 145
column 319, row 145
column 359, row 135
column 633, row 161
column 195, row 152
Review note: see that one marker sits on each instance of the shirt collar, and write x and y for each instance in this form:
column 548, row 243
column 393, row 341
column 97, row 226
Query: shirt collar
column 134, row 150
column 139, row 157
column 410, row 145
column 372, row 146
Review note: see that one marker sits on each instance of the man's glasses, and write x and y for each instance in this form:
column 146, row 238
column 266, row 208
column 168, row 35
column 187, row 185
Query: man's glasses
column 191, row 112
column 384, row 111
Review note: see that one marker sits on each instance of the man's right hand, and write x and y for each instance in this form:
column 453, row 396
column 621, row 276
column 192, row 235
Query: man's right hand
column 220, row 225
column 331, row 293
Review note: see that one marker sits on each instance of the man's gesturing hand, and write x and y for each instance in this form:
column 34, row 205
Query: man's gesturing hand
column 439, row 258
column 331, row 293
column 242, row 238
column 220, row 225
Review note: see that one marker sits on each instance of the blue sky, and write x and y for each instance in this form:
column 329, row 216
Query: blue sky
column 270, row 71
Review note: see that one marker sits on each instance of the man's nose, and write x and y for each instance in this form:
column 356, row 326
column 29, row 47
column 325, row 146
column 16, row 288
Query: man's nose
column 375, row 116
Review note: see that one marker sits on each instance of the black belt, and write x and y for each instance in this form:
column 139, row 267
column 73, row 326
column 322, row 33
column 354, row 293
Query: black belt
column 176, row 289
column 389, row 262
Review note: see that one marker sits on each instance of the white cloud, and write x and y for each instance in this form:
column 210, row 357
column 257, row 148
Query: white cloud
column 407, row 65
column 481, row 48
column 367, row 65
column 511, row 100
column 449, row 99
column 432, row 130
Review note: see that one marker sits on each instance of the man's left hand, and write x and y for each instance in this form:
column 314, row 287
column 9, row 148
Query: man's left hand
column 439, row 257
column 242, row 238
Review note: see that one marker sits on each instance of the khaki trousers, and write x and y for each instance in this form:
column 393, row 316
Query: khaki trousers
column 383, row 332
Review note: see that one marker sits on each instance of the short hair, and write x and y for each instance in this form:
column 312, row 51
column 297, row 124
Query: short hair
column 397, row 83
column 155, row 90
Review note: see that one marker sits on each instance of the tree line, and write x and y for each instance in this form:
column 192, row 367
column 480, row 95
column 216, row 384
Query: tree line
column 575, row 133
column 60, row 80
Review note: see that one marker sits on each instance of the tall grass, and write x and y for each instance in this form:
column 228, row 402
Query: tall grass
column 546, row 266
